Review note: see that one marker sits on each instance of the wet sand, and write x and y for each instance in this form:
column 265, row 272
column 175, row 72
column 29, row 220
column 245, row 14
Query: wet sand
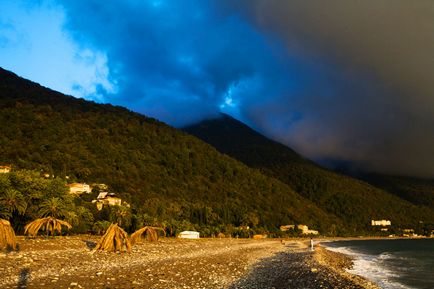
column 68, row 262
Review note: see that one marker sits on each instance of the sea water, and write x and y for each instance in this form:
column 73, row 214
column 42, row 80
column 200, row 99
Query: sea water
column 395, row 263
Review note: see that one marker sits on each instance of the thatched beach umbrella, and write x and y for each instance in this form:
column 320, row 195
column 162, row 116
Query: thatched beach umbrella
column 151, row 234
column 7, row 235
column 114, row 239
column 48, row 224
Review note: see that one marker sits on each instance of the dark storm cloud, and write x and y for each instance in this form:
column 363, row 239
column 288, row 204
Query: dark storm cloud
column 342, row 80
column 373, row 98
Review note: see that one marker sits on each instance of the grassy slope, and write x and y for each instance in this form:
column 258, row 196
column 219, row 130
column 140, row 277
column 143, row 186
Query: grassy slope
column 152, row 165
column 354, row 201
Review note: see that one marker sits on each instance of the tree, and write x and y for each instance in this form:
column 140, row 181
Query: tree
column 121, row 215
column 13, row 201
column 53, row 207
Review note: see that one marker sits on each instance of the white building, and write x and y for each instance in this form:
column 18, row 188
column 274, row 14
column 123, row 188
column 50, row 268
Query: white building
column 5, row 169
column 79, row 188
column 305, row 230
column 383, row 223
column 188, row 235
column 108, row 199
column 287, row 228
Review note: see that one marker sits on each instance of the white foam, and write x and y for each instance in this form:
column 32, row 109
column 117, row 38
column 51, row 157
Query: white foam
column 371, row 267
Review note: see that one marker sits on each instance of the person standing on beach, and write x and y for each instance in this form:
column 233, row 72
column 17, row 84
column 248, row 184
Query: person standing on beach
column 311, row 244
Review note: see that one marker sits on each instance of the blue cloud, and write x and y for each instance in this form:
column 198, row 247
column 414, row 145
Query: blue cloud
column 178, row 60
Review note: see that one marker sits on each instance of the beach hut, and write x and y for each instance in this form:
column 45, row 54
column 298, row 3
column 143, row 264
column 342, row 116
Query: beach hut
column 189, row 235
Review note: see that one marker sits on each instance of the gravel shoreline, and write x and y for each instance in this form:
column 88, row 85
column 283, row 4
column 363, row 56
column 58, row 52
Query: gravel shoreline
column 68, row 262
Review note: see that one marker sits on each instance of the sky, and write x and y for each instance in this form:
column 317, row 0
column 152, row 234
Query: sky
column 337, row 80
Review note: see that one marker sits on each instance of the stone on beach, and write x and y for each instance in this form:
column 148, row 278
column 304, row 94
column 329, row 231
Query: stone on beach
column 65, row 262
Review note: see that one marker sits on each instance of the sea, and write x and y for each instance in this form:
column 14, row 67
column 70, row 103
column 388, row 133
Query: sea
column 394, row 263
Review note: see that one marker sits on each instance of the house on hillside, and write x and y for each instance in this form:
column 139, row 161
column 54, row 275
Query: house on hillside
column 189, row 235
column 408, row 233
column 5, row 169
column 108, row 199
column 382, row 223
column 79, row 188
column 287, row 228
column 305, row 230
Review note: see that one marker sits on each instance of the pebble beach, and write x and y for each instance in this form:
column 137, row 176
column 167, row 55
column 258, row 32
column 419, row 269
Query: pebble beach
column 70, row 262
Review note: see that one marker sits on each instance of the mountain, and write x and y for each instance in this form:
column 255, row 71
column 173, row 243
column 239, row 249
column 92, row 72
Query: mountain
column 354, row 201
column 415, row 190
column 164, row 173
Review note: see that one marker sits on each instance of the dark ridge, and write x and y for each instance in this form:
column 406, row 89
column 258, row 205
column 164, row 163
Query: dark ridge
column 162, row 172
column 354, row 201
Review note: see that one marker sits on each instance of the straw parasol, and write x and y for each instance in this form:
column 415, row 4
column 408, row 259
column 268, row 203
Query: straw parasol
column 115, row 239
column 48, row 224
column 150, row 232
column 7, row 235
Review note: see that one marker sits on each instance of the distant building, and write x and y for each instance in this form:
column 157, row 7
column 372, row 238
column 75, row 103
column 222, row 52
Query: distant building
column 108, row 199
column 5, row 169
column 383, row 223
column 79, row 188
column 305, row 230
column 409, row 231
column 189, row 235
column 287, row 227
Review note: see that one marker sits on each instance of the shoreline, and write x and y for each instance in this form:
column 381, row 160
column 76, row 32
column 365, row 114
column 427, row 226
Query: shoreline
column 68, row 262
column 339, row 263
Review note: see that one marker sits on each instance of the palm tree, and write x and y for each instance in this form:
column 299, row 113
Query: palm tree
column 5, row 213
column 150, row 232
column 100, row 227
column 48, row 224
column 53, row 207
column 121, row 215
column 114, row 239
column 13, row 201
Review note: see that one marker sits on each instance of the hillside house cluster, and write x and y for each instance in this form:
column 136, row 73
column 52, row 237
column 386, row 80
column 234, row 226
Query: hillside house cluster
column 5, row 169
column 303, row 228
column 103, row 198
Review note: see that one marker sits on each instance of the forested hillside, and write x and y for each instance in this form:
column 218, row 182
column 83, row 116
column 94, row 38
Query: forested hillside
column 354, row 201
column 415, row 190
column 166, row 175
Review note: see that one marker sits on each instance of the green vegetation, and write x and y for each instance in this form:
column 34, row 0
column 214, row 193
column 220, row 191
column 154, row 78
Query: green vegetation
column 171, row 179
column 353, row 201
column 26, row 196
column 415, row 190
